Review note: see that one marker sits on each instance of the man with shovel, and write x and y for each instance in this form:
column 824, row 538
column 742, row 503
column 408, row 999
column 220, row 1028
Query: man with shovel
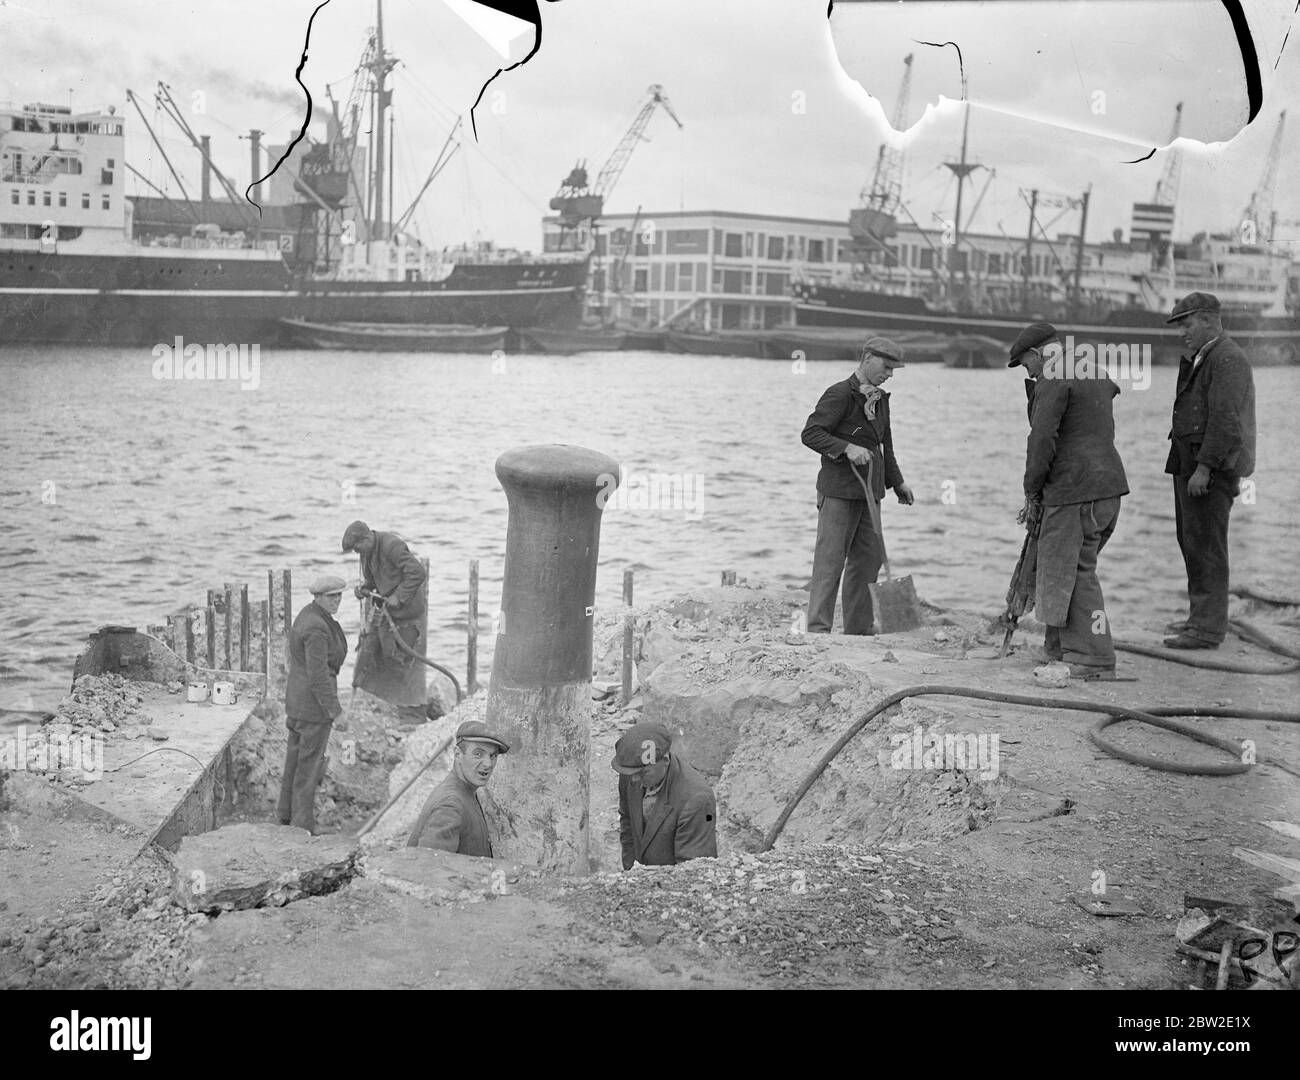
column 1074, row 480
column 850, row 429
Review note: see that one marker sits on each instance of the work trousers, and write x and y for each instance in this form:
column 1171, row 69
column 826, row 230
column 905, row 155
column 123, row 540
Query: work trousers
column 303, row 765
column 848, row 547
column 1069, row 599
column 1202, row 524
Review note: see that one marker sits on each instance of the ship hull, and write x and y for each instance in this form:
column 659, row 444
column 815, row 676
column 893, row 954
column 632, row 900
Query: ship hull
column 396, row 337
column 146, row 299
column 578, row 340
column 1267, row 340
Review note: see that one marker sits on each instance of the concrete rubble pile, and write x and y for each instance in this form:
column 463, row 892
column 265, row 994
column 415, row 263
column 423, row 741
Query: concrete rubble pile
column 789, row 913
column 101, row 703
column 128, row 935
column 246, row 866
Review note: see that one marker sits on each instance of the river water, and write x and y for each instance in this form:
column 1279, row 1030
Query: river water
column 124, row 496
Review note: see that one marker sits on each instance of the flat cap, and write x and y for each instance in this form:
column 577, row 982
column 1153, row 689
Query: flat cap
column 1031, row 337
column 1194, row 301
column 477, row 731
column 327, row 583
column 642, row 744
column 358, row 530
column 889, row 351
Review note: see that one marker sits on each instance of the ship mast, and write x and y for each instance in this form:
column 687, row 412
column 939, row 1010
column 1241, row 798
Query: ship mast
column 380, row 65
column 961, row 169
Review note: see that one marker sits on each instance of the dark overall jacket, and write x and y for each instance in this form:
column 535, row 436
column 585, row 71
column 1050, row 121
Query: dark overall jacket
column 317, row 649
column 1071, row 455
column 840, row 419
column 453, row 820
column 681, row 824
column 1214, row 416
column 392, row 570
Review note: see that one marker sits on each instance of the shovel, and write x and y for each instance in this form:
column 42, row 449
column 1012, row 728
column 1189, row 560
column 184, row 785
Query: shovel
column 894, row 604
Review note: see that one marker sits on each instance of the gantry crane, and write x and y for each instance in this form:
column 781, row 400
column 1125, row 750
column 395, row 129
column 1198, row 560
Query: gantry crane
column 1166, row 193
column 876, row 218
column 1258, row 221
column 578, row 202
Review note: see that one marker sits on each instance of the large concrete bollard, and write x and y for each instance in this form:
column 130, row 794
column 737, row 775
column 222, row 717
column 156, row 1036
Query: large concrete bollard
column 539, row 696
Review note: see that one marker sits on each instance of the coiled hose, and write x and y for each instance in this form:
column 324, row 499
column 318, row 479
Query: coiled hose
column 1114, row 714
column 1155, row 716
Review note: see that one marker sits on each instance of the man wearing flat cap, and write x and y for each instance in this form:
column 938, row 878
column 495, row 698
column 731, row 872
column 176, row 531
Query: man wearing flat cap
column 666, row 809
column 850, row 429
column 1213, row 447
column 452, row 818
column 394, row 579
column 316, row 651
column 1073, row 484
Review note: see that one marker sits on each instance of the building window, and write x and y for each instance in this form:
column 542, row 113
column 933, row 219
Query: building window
column 13, row 196
column 31, row 197
column 775, row 247
column 995, row 262
column 640, row 280
column 684, row 277
column 85, row 200
column 927, row 259
column 105, row 202
column 670, row 277
column 734, row 246
column 45, row 198
column 63, row 198
column 816, row 248
column 654, row 278
column 749, row 245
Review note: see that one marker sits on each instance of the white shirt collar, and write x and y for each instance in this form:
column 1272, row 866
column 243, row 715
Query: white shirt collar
column 1204, row 349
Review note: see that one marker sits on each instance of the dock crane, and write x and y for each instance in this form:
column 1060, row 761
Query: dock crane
column 876, row 218
column 1166, row 193
column 1258, row 220
column 579, row 202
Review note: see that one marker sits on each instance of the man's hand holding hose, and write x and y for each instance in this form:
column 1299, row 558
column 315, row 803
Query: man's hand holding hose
column 1031, row 513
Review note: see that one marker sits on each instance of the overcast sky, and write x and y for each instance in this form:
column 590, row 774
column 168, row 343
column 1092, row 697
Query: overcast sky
column 775, row 100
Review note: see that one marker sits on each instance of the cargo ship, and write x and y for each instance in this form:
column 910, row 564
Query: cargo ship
column 958, row 281
column 81, row 262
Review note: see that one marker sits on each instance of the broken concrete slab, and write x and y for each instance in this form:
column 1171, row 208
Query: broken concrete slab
column 248, row 866
column 440, row 876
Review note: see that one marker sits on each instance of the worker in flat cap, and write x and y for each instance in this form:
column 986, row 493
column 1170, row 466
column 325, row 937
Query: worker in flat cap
column 452, row 818
column 666, row 809
column 1074, row 480
column 850, row 429
column 316, row 651
column 393, row 578
column 1213, row 448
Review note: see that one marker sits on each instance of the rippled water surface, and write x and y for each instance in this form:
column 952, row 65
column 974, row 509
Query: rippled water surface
column 125, row 497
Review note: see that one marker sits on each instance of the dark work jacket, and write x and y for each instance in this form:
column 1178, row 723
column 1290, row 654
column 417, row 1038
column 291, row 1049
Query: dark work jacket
column 1071, row 455
column 682, row 822
column 317, row 649
column 838, row 420
column 392, row 570
column 453, row 820
column 1214, row 415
